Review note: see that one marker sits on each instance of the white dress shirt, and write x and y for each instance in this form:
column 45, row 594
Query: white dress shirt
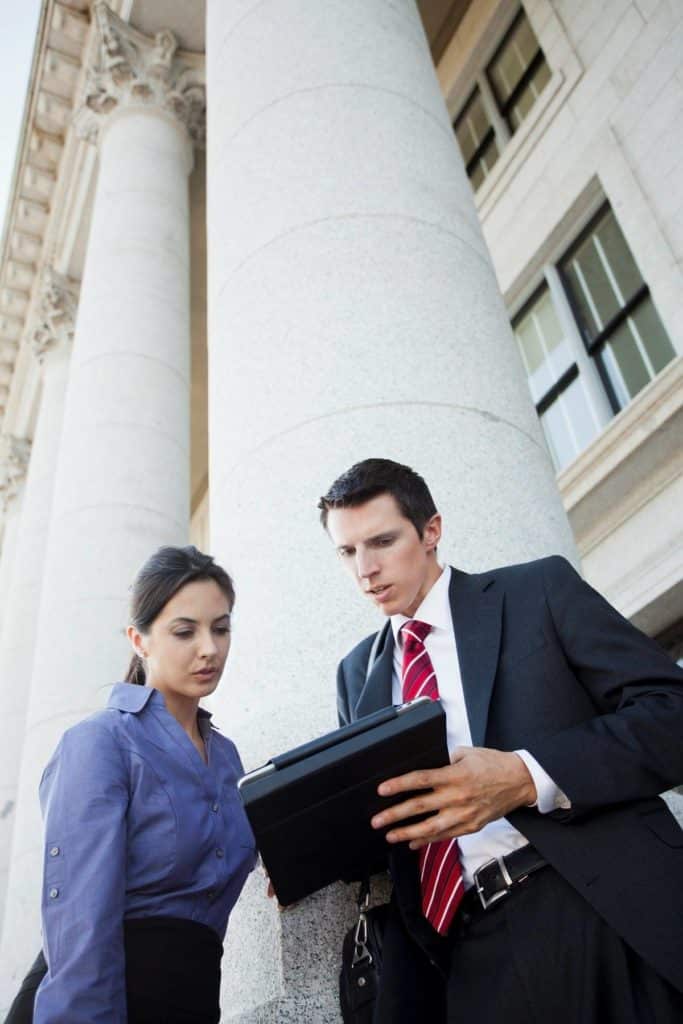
column 498, row 837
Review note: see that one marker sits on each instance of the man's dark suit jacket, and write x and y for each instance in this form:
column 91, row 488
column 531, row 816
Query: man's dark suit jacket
column 549, row 666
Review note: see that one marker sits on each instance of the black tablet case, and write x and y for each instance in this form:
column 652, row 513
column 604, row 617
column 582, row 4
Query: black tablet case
column 310, row 807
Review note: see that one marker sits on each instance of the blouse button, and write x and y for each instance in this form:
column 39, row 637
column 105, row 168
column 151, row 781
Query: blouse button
column 54, row 851
column 214, row 808
column 54, row 893
column 219, row 852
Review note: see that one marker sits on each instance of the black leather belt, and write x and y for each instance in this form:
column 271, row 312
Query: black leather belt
column 494, row 880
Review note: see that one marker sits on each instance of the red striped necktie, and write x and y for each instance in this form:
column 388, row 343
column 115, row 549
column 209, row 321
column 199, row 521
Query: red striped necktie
column 440, row 870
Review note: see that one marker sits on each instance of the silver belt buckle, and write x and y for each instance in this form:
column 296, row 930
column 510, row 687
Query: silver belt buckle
column 502, row 893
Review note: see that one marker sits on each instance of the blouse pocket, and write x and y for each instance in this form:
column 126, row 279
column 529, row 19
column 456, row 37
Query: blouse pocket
column 152, row 831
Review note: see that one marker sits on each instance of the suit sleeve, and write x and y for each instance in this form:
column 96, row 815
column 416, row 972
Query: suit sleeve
column 631, row 748
column 84, row 794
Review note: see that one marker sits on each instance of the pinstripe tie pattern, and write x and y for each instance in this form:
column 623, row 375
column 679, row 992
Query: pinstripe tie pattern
column 440, row 870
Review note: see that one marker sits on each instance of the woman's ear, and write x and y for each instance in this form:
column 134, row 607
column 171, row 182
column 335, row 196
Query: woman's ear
column 136, row 641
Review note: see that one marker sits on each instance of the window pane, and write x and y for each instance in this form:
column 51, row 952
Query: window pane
column 545, row 351
column 569, row 424
column 471, row 127
column 477, row 175
column 477, row 142
column 592, row 291
column 514, row 57
column 618, row 257
column 602, row 275
column 630, row 373
column 652, row 333
column 637, row 351
column 603, row 282
column 528, row 96
column 513, row 61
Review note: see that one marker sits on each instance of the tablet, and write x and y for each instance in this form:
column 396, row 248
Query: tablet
column 310, row 807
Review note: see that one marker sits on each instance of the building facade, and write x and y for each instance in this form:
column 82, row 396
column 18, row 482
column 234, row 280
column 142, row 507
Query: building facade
column 251, row 243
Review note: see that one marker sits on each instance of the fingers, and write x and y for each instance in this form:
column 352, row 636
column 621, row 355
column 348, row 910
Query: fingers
column 408, row 809
column 425, row 779
column 428, row 831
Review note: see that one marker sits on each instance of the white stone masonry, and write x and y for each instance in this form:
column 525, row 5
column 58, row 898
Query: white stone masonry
column 353, row 312
column 122, row 483
column 52, row 340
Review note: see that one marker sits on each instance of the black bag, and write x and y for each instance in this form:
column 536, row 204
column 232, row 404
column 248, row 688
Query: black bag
column 361, row 969
column 21, row 1010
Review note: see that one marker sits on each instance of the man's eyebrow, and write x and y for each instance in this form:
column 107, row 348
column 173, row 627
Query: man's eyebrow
column 375, row 539
column 384, row 535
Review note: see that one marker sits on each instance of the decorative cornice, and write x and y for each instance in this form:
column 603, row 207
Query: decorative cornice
column 62, row 34
column 56, row 313
column 14, row 456
column 132, row 69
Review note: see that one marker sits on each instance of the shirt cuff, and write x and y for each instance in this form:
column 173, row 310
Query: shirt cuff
column 549, row 796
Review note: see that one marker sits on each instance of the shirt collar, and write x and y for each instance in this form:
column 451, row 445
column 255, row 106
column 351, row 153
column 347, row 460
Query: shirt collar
column 435, row 608
column 133, row 698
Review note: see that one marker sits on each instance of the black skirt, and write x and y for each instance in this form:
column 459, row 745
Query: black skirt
column 173, row 974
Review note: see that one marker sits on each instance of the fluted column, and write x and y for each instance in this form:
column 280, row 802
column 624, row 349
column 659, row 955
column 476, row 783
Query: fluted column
column 14, row 456
column 52, row 339
column 122, row 483
column 353, row 312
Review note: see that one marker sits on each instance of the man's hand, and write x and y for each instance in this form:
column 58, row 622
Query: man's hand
column 479, row 786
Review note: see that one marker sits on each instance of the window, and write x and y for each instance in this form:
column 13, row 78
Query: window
column 477, row 139
column 518, row 72
column 613, row 309
column 590, row 338
column 505, row 91
column 564, row 407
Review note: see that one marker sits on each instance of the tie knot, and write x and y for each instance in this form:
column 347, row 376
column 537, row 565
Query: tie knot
column 414, row 630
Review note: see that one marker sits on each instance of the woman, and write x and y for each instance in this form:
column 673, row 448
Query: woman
column 147, row 846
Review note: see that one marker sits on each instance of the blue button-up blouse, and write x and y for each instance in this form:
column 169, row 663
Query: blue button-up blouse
column 136, row 825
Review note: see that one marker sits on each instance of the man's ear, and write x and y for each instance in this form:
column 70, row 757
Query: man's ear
column 431, row 535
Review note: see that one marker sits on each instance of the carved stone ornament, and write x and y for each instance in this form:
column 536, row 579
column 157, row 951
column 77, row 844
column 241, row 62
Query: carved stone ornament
column 133, row 69
column 57, row 308
column 14, row 456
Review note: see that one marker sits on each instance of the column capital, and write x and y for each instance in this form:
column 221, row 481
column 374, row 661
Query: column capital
column 132, row 69
column 14, row 456
column 56, row 319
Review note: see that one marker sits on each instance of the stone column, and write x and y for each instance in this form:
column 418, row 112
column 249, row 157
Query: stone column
column 51, row 340
column 14, row 456
column 121, row 487
column 353, row 312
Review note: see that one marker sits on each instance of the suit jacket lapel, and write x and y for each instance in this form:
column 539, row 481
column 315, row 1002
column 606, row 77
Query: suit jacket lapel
column 376, row 693
column 476, row 607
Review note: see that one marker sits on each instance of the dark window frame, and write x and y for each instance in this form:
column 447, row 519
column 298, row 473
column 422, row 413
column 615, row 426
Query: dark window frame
column 567, row 377
column 595, row 345
column 494, row 134
column 505, row 106
column 489, row 137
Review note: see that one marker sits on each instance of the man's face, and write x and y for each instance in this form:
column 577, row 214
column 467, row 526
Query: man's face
column 393, row 566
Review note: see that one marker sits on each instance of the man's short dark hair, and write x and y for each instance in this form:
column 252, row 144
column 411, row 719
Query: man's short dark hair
column 372, row 477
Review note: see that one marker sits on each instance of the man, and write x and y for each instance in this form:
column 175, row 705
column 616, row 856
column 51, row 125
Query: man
column 563, row 724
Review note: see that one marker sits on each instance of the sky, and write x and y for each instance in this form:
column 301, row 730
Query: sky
column 16, row 53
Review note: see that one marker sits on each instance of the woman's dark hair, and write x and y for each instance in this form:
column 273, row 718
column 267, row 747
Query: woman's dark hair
column 160, row 578
column 372, row 477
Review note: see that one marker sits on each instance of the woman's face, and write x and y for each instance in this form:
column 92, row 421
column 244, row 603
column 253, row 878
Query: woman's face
column 188, row 642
